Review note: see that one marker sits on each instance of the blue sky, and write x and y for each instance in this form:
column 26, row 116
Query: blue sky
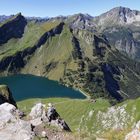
column 49, row 8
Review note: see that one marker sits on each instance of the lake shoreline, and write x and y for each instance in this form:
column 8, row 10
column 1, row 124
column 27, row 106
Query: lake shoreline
column 24, row 86
column 84, row 93
column 81, row 91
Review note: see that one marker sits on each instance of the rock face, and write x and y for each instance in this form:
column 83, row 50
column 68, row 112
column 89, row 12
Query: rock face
column 39, row 115
column 11, row 124
column 6, row 95
column 55, row 119
column 37, row 111
column 124, row 40
column 82, row 21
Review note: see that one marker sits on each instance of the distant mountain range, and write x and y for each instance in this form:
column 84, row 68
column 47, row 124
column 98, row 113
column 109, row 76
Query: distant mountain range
column 120, row 25
column 98, row 55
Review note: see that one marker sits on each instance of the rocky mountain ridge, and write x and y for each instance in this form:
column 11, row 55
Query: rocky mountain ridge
column 121, row 27
column 118, row 16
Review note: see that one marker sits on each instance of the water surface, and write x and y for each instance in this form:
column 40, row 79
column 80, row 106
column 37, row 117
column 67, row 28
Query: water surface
column 29, row 86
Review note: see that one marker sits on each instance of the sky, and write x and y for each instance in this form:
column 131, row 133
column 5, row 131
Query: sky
column 52, row 8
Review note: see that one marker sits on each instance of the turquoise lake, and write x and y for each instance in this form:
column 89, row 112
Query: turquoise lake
column 29, row 86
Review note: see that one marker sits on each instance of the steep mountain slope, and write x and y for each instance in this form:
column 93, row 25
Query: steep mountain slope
column 121, row 27
column 75, row 56
column 12, row 28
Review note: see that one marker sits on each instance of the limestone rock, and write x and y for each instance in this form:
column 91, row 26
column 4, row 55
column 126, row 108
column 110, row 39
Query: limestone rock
column 37, row 111
column 36, row 122
column 39, row 115
column 11, row 126
column 7, row 112
column 21, row 130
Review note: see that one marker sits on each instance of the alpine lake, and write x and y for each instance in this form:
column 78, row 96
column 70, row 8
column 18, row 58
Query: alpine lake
column 29, row 86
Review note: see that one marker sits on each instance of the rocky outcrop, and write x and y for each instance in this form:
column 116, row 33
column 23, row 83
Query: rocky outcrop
column 6, row 95
column 134, row 135
column 10, row 124
column 38, row 116
column 109, row 121
column 37, row 111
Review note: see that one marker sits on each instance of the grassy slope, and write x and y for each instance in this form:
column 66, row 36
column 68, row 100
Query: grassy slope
column 57, row 50
column 32, row 34
column 76, row 114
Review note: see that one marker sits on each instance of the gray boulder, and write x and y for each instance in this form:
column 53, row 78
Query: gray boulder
column 11, row 126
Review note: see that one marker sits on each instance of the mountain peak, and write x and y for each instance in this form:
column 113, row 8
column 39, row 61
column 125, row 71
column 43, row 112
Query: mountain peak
column 118, row 15
column 120, row 8
column 124, row 10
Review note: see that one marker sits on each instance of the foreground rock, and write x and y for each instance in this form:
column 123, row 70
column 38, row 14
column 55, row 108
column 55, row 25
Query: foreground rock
column 135, row 133
column 11, row 126
column 39, row 115
column 6, row 95
column 14, row 127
